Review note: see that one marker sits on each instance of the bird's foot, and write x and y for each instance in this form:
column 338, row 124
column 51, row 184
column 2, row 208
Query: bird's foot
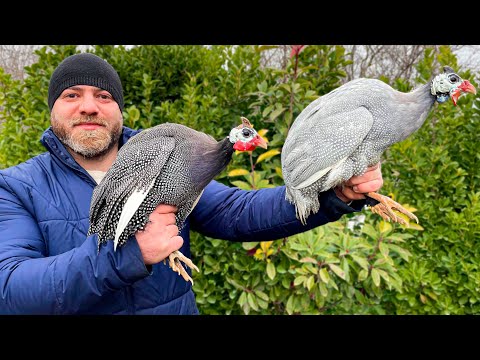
column 174, row 262
column 385, row 206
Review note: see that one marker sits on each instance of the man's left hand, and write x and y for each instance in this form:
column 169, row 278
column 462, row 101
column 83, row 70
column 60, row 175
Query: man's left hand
column 354, row 188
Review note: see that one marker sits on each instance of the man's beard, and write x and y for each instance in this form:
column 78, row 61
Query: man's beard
column 88, row 143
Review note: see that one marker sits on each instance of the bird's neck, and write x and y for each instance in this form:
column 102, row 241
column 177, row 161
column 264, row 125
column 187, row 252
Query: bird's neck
column 226, row 147
column 211, row 161
column 423, row 95
column 414, row 110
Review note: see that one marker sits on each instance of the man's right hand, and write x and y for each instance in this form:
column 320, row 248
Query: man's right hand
column 160, row 236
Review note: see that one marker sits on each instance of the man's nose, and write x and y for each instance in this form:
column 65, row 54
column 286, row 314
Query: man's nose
column 88, row 105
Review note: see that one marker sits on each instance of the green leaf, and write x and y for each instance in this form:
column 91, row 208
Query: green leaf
column 249, row 245
column 337, row 270
column 288, row 119
column 370, row 231
column 323, row 289
column 320, row 232
column 383, row 249
column 324, row 276
column 298, row 247
column 210, row 261
column 252, row 301
column 360, row 261
column 271, row 270
column 310, row 282
column 278, row 171
column 261, row 295
column 415, row 226
column 431, row 294
column 423, row 298
column 133, row 113
column 289, row 306
column 385, row 227
column 331, row 259
column 267, row 155
column 299, row 280
column 383, row 274
column 262, row 86
column 285, row 86
column 360, row 297
column 333, row 284
column 238, row 172
column 242, row 185
column 362, row 275
column 242, row 299
column 234, row 283
column 264, row 184
column 404, row 254
column 308, row 259
column 277, row 112
column 396, row 238
column 375, row 277
column 267, row 110
column 463, row 300
column 263, row 304
column 346, row 269
column 311, row 268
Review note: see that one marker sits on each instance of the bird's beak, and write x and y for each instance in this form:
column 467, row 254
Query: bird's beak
column 466, row 86
column 463, row 88
column 259, row 141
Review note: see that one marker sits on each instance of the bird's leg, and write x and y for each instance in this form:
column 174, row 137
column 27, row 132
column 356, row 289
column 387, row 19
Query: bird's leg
column 385, row 206
column 174, row 262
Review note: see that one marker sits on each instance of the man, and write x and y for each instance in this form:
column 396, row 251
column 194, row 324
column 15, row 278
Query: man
column 47, row 263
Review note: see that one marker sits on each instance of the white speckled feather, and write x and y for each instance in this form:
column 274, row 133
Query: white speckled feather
column 131, row 206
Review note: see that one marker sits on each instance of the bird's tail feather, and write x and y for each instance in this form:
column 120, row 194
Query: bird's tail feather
column 303, row 205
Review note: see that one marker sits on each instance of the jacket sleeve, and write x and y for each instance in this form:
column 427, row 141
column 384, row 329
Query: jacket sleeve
column 233, row 214
column 33, row 283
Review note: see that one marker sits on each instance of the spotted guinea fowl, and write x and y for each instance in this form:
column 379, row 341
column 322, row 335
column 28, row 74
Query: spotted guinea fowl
column 341, row 133
column 166, row 164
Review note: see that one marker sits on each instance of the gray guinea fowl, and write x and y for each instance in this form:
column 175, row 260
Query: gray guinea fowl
column 342, row 133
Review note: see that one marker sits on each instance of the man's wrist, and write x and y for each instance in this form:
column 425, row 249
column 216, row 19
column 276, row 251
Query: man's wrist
column 338, row 192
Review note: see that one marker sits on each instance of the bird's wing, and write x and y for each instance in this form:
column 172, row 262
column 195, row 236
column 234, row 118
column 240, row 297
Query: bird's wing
column 318, row 143
column 127, row 182
column 131, row 206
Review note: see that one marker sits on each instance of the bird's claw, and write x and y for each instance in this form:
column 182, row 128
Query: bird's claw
column 385, row 206
column 387, row 214
column 174, row 262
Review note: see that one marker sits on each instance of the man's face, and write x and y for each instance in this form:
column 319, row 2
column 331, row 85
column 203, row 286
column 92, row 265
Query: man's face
column 87, row 120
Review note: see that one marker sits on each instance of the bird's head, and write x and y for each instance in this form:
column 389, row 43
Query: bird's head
column 449, row 84
column 245, row 138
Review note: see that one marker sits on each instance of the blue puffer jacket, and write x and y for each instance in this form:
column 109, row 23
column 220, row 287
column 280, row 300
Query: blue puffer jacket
column 49, row 266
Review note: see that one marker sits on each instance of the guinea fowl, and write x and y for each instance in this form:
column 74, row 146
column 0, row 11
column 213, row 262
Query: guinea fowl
column 341, row 133
column 166, row 164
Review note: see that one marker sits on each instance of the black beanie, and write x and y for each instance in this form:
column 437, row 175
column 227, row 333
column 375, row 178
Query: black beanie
column 85, row 69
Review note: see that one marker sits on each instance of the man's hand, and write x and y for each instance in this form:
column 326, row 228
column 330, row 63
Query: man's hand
column 357, row 185
column 160, row 236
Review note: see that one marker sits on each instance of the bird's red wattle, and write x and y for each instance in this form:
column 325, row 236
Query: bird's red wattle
column 242, row 146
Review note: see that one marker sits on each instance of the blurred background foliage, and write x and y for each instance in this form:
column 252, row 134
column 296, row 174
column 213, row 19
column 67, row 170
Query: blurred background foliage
column 357, row 265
